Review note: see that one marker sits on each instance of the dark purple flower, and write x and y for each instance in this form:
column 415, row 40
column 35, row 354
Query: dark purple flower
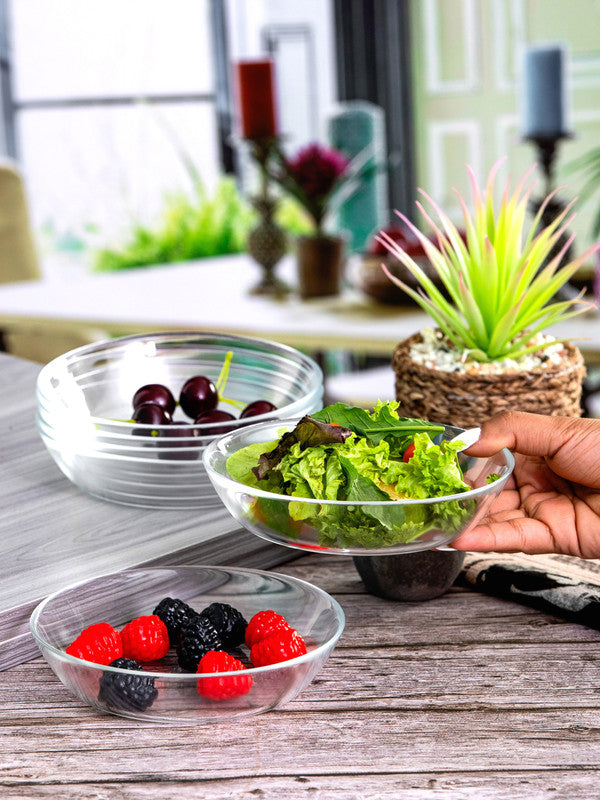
column 315, row 169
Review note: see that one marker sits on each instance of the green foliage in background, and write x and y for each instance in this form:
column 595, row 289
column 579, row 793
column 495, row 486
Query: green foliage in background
column 196, row 227
column 189, row 228
column 588, row 166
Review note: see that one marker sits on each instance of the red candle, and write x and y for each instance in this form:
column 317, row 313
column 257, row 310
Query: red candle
column 255, row 91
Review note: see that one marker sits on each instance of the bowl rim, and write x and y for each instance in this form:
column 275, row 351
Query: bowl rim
column 267, row 346
column 217, row 446
column 189, row 676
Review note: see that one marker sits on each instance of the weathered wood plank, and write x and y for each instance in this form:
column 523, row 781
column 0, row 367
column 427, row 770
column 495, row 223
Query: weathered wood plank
column 289, row 743
column 427, row 786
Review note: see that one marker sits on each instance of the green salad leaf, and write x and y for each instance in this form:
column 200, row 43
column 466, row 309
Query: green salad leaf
column 383, row 422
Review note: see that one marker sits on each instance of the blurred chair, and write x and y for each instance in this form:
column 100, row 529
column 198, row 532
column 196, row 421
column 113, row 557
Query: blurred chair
column 19, row 262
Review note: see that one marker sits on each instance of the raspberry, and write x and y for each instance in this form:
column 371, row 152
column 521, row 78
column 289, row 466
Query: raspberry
column 229, row 622
column 222, row 688
column 283, row 644
column 145, row 638
column 128, row 692
column 263, row 624
column 175, row 614
column 198, row 637
column 99, row 643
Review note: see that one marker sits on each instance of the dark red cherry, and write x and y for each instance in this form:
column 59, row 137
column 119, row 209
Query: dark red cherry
column 177, row 436
column 256, row 408
column 154, row 393
column 198, row 394
column 150, row 414
column 214, row 416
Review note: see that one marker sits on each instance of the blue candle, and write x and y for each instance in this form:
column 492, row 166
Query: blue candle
column 544, row 92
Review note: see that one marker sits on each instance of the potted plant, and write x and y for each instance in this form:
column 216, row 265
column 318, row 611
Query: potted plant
column 489, row 351
column 319, row 179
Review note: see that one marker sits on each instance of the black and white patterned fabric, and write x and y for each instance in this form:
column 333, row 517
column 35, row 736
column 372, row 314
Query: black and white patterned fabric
column 561, row 585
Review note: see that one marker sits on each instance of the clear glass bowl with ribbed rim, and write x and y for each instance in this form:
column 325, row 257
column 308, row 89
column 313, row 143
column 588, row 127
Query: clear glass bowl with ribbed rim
column 184, row 697
column 353, row 527
column 84, row 408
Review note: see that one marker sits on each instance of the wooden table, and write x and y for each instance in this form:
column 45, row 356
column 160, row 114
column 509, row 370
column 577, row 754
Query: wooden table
column 465, row 696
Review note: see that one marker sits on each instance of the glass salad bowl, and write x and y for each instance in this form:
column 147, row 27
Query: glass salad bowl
column 84, row 406
column 167, row 693
column 353, row 527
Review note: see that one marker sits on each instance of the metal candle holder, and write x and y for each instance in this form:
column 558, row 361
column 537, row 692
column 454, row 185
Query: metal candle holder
column 547, row 147
column 267, row 241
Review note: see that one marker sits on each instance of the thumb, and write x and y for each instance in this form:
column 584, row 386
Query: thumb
column 568, row 444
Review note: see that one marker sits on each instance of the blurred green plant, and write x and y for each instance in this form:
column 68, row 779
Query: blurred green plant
column 196, row 227
column 190, row 227
column 588, row 166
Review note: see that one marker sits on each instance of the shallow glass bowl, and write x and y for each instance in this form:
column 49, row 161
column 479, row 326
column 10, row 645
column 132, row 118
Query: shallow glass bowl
column 348, row 527
column 117, row 598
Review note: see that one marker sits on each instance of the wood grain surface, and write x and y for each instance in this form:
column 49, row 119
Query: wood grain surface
column 465, row 696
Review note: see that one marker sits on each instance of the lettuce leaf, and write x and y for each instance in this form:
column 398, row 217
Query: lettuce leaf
column 382, row 423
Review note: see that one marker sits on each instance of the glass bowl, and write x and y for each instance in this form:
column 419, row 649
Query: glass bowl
column 117, row 598
column 84, row 402
column 348, row 527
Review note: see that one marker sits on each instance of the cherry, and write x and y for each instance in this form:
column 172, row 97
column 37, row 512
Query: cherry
column 256, row 408
column 154, row 393
column 215, row 415
column 174, row 434
column 150, row 414
column 198, row 394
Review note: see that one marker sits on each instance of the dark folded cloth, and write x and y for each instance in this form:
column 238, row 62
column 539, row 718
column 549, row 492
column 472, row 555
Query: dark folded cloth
column 561, row 585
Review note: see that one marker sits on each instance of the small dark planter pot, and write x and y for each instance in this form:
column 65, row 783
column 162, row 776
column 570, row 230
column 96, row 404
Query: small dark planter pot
column 321, row 262
column 410, row 577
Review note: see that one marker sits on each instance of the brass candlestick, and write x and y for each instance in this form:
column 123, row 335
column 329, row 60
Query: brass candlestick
column 267, row 241
column 547, row 147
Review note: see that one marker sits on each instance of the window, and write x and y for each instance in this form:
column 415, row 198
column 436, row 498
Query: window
column 107, row 100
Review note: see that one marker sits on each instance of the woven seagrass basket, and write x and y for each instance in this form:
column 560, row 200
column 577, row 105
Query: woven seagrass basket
column 465, row 400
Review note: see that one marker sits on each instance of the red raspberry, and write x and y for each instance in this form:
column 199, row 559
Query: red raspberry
column 263, row 624
column 145, row 639
column 222, row 688
column 281, row 645
column 99, row 643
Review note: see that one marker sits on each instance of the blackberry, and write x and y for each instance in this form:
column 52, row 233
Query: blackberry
column 127, row 692
column 197, row 638
column 229, row 622
column 175, row 614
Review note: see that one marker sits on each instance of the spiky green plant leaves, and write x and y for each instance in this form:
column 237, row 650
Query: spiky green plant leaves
column 499, row 276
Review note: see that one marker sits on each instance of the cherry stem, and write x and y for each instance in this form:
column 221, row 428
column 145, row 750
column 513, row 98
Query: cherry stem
column 224, row 374
column 222, row 380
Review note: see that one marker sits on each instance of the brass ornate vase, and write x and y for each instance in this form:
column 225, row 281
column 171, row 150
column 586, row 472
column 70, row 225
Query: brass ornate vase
column 267, row 244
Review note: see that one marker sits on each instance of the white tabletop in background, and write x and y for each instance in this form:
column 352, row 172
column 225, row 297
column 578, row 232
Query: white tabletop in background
column 214, row 295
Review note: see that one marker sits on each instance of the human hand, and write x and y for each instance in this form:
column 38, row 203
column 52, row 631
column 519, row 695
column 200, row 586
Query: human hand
column 551, row 502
